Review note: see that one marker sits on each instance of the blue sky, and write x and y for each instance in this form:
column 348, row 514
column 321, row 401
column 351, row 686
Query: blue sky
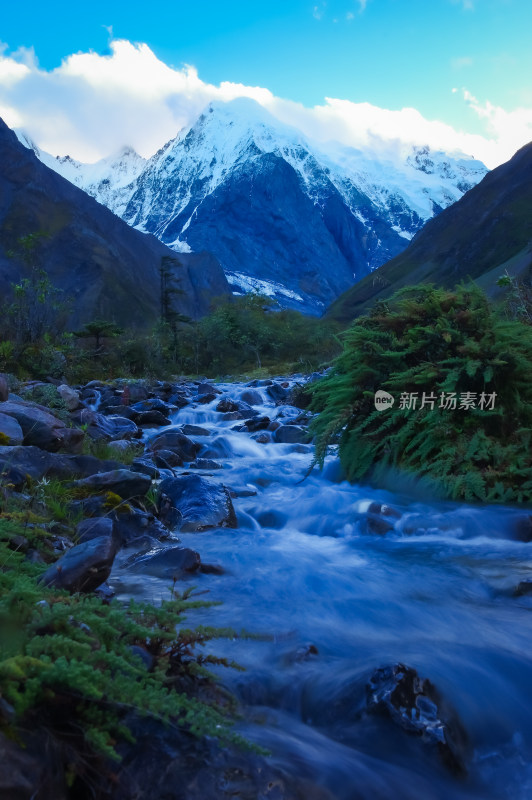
column 388, row 53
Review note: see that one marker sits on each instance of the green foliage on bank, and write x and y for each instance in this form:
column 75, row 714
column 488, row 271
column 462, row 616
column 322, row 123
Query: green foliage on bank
column 239, row 336
column 71, row 663
column 425, row 339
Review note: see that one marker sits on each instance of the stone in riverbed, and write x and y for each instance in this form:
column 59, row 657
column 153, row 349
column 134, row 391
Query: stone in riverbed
column 227, row 406
column 523, row 588
column 417, row 707
column 122, row 482
column 257, row 424
column 10, row 431
column 202, row 503
column 94, row 528
column 177, row 442
column 252, row 397
column 84, row 567
column 172, row 562
column 381, row 518
column 277, row 392
column 290, row 434
column 42, row 429
column 195, row 430
column 69, row 396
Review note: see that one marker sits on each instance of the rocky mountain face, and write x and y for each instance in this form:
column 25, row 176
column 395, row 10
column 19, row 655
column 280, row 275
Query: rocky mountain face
column 485, row 233
column 104, row 267
column 297, row 221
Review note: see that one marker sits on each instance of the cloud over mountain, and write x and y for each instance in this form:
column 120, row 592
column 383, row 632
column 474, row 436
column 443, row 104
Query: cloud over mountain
column 93, row 104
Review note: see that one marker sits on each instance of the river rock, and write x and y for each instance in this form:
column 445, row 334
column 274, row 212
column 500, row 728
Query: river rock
column 152, row 419
column 4, row 388
column 37, row 463
column 146, row 467
column 167, row 459
column 172, row 563
column 94, row 528
column 257, row 424
column 84, row 567
column 207, row 388
column 206, row 398
column 134, row 525
column 252, row 397
column 290, row 434
column 277, row 393
column 202, row 503
column 109, row 427
column 226, row 405
column 206, row 463
column 417, row 707
column 136, row 392
column 120, row 447
column 381, row 518
column 195, row 430
column 10, row 431
column 42, row 429
column 523, row 588
column 69, row 396
column 175, row 441
column 122, row 482
column 153, row 404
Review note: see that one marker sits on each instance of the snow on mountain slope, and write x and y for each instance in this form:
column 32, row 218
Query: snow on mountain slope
column 271, row 205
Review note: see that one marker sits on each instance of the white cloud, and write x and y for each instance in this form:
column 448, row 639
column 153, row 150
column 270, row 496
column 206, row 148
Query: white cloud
column 91, row 105
column 510, row 129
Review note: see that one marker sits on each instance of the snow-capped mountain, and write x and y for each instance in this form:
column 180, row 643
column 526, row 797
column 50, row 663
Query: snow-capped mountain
column 286, row 217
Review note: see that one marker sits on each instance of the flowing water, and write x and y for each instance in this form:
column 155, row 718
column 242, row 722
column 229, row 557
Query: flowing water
column 301, row 569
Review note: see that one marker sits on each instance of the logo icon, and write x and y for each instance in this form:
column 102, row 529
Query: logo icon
column 383, row 400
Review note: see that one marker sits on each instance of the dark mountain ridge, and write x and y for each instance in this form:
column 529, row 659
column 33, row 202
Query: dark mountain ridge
column 488, row 231
column 103, row 266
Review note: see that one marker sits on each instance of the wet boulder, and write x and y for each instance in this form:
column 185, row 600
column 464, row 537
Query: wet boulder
column 381, row 518
column 415, row 705
column 146, row 467
column 153, row 404
column 175, row 441
column 135, row 525
column 152, row 419
column 167, row 459
column 10, row 431
column 521, row 530
column 206, row 463
column 523, row 588
column 37, row 463
column 122, row 482
column 252, row 397
column 201, row 503
column 226, row 405
column 207, row 388
column 290, row 434
column 171, row 562
column 84, row 567
column 108, row 427
column 257, row 424
column 42, row 429
column 206, row 398
column 277, row 392
column 94, row 528
column 69, row 396
column 195, row 430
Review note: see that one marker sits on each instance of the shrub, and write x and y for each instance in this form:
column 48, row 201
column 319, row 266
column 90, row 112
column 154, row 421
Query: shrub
column 426, row 339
